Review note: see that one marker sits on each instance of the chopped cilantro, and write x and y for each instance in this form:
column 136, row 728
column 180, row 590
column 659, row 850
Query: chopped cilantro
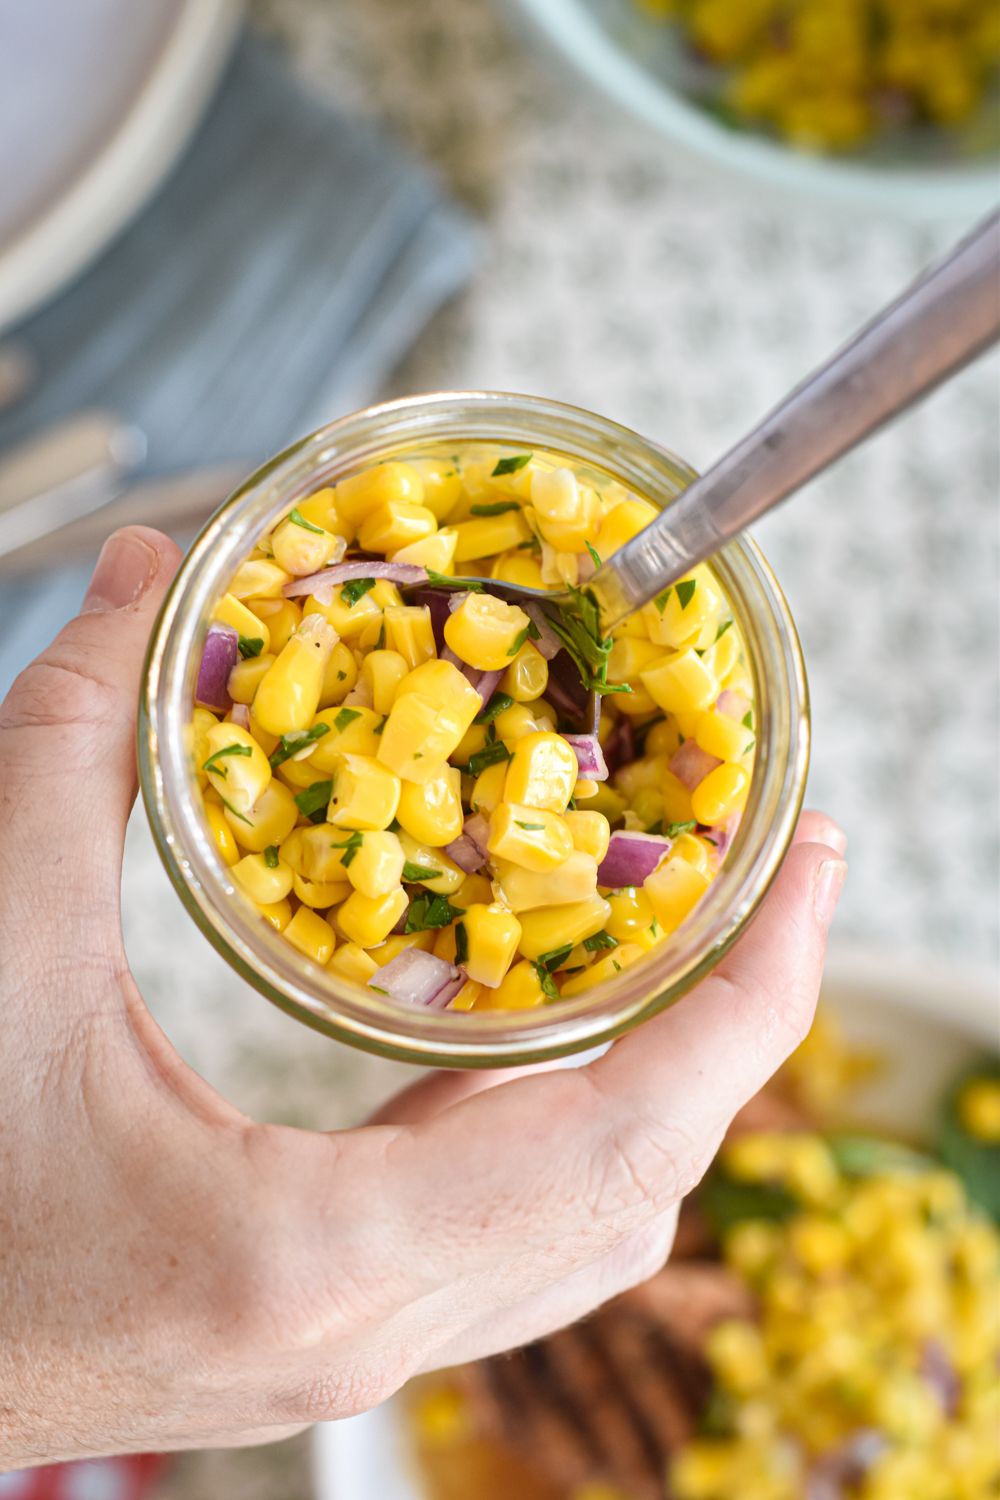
column 341, row 676
column 519, row 640
column 355, row 589
column 598, row 941
column 654, row 928
column 379, row 727
column 685, row 590
column 250, row 645
column 298, row 519
column 723, row 628
column 498, row 508
column 381, row 636
column 345, row 717
column 234, row 812
column 489, row 755
column 271, row 856
column 350, row 846
column 442, row 581
column 498, row 704
column 529, row 827
column 461, row 943
column 209, row 765
column 595, row 556
column 661, row 599
column 546, row 981
column 377, row 988
column 412, row 872
column 578, row 626
column 749, row 747
column 510, row 465
column 617, row 966
column 674, row 830
column 430, row 911
column 554, row 957
column 747, row 719
column 312, row 800
column 298, row 739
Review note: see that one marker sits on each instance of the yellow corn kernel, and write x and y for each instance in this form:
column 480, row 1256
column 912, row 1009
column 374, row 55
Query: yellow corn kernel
column 312, row 935
column 474, row 888
column 365, row 794
column 486, row 632
column 605, row 968
column 282, row 617
column 319, row 894
column 396, row 525
column 487, row 790
column 719, row 795
column 676, row 799
column 277, row 913
column 202, row 720
column 647, row 771
column 552, row 927
column 445, row 944
column 721, row 736
column 514, row 723
column 492, row 936
column 442, row 485
column 690, row 612
column 360, row 495
column 263, row 883
column 590, row 832
column 485, row 536
column 438, row 873
column 520, row 989
column 527, row 677
column 472, row 741
column 518, row 567
column 436, row 552
column 978, row 1107
column 681, row 683
column 301, row 547
column 289, row 694
column 663, row 740
column 723, row 656
column 297, row 774
column 232, row 611
column 350, row 731
column 584, row 788
column 267, row 742
column 246, row 677
column 383, row 671
column 647, row 804
column 623, row 523
column 269, row 821
column 352, row 962
column 542, row 772
column 259, row 578
column 408, row 631
column 526, row 890
column 367, row 920
column 689, row 847
column 222, row 834
column 674, row 890
column 468, row 996
column 609, row 802
column 568, row 513
column 637, row 704
column 319, row 508
column 375, row 866
column 347, row 619
column 631, row 913
column 235, row 765
column 433, row 708
column 528, row 836
column 340, row 676
column 630, row 656
column 316, row 852
column 431, row 811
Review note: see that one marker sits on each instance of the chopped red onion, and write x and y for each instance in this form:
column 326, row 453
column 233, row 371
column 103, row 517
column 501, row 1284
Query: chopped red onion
column 240, row 714
column 589, row 756
column 219, row 656
column 725, row 834
column 487, row 684
column 734, row 705
column 548, row 643
column 630, row 858
column 939, row 1373
column 691, row 764
column 447, row 654
column 326, row 580
column 414, row 977
column 619, row 749
column 468, row 851
column 569, row 697
column 837, row 1473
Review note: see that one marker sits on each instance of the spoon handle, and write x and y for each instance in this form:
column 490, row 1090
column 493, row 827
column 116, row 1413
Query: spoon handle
column 938, row 325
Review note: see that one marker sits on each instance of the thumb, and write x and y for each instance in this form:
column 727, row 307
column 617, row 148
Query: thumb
column 67, row 732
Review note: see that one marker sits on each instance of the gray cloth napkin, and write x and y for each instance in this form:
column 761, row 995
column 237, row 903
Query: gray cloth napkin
column 285, row 267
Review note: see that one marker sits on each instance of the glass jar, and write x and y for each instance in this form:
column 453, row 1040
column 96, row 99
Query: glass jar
column 360, row 1016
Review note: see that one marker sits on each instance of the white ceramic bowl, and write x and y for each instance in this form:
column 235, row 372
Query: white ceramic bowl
column 640, row 65
column 926, row 1021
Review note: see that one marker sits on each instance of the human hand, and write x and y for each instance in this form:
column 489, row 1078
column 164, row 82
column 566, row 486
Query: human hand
column 174, row 1275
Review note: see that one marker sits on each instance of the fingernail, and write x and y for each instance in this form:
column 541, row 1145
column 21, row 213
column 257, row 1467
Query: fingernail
column 826, row 888
column 835, row 837
column 125, row 569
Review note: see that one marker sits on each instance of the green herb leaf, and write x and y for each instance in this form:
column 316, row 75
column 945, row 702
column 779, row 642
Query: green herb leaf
column 661, row 599
column 554, row 957
column 498, row 704
column 314, row 799
column 350, row 847
column 599, row 941
column 578, row 626
column 210, row 764
column 530, row 827
column 461, row 943
column 412, row 872
column 430, row 911
column 291, row 744
column 510, row 465
column 519, row 640
column 747, row 748
column 379, row 727
column 498, row 508
column 250, row 645
column 685, row 590
column 345, row 717
column 595, row 556
column 723, row 628
column 489, row 755
column 674, row 830
column 443, row 581
column 235, row 814
column 355, row 589
column 271, row 856
column 377, row 988
column 298, row 519
column 381, row 636
column 747, row 719
column 546, row 981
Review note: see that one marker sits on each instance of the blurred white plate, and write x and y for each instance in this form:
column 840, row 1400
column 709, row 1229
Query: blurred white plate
column 97, row 100
column 926, row 1020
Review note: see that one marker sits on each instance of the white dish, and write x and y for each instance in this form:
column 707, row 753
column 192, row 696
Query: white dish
column 97, row 101
column 924, row 1019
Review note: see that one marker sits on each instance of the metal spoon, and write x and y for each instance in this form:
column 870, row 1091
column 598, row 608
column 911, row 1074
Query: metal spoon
column 940, row 323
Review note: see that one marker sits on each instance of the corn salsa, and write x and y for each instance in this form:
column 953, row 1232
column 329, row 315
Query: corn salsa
column 444, row 796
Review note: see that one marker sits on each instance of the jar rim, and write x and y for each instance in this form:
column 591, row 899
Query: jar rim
column 352, row 1013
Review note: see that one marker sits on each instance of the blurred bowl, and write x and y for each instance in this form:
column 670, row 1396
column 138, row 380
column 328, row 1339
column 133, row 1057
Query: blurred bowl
column 643, row 66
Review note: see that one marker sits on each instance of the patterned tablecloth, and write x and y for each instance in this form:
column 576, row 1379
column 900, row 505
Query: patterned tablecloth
column 682, row 303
